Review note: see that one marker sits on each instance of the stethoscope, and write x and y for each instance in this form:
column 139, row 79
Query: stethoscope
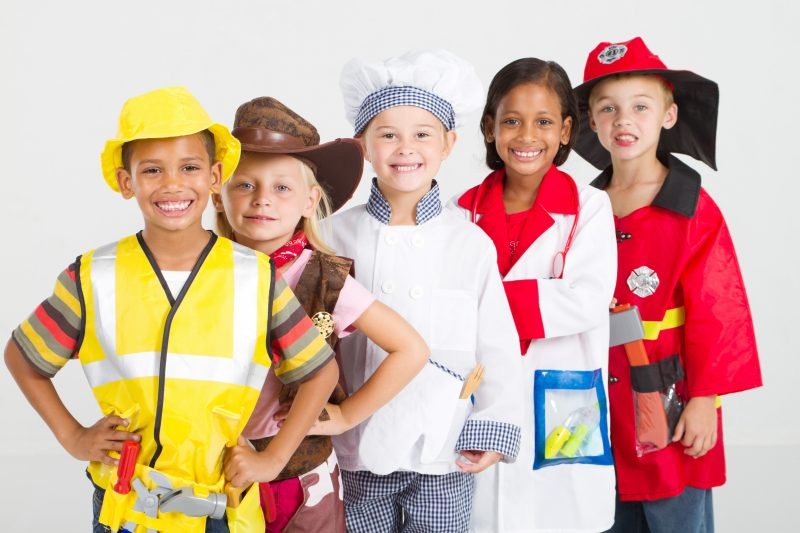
column 560, row 259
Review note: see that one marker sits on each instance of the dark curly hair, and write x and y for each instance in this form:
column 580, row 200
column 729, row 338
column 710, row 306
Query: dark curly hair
column 530, row 70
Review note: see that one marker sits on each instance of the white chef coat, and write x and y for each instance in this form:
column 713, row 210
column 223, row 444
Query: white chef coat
column 441, row 276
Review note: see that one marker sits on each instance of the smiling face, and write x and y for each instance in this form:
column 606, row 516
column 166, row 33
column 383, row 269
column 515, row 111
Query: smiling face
column 171, row 180
column 527, row 130
column 406, row 146
column 266, row 198
column 628, row 114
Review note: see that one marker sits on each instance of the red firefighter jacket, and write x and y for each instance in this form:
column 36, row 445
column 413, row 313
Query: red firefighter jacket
column 698, row 310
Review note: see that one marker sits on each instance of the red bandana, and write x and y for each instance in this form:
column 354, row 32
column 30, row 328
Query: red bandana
column 290, row 250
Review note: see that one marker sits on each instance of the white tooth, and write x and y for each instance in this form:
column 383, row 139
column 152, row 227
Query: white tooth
column 173, row 206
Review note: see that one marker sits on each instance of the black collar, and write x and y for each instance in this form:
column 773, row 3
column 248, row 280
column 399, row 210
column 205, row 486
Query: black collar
column 679, row 192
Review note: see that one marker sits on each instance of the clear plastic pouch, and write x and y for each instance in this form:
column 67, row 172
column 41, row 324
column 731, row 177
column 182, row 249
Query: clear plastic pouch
column 657, row 403
column 570, row 418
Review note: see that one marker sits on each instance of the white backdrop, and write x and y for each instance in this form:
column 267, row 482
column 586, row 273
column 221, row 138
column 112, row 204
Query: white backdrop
column 67, row 67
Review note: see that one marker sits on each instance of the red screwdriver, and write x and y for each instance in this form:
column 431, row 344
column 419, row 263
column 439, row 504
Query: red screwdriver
column 126, row 466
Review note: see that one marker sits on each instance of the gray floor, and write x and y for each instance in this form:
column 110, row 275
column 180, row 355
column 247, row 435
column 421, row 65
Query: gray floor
column 761, row 494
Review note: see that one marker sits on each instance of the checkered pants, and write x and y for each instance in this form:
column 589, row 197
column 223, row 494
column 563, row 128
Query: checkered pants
column 407, row 502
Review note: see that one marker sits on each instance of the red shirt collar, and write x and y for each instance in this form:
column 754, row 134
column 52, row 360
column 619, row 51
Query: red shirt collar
column 555, row 193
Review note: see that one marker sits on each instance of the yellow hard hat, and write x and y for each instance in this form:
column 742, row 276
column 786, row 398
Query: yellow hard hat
column 162, row 113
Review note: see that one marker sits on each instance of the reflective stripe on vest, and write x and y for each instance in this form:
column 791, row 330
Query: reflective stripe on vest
column 214, row 336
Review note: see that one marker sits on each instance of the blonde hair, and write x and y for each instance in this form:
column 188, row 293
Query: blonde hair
column 309, row 225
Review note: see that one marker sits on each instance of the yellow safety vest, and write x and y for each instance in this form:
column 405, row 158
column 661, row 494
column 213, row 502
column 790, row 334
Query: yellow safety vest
column 185, row 371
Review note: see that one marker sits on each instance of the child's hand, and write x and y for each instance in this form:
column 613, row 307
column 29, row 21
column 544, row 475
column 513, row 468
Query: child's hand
column 613, row 303
column 244, row 466
column 94, row 443
column 697, row 427
column 479, row 460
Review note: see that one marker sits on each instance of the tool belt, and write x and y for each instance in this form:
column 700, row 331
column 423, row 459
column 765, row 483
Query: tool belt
column 161, row 503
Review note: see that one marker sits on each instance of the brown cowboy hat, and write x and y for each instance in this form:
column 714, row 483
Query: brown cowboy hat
column 267, row 126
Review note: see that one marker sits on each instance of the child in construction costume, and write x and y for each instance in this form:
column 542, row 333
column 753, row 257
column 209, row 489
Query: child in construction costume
column 175, row 329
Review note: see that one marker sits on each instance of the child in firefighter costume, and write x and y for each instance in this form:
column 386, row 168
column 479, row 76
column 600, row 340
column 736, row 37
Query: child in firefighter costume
column 555, row 252
column 678, row 266
column 285, row 182
column 175, row 329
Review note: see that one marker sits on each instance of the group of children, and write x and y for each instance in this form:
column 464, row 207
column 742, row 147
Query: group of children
column 407, row 364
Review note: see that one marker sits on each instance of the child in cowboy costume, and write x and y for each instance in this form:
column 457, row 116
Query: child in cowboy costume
column 400, row 468
column 285, row 182
column 175, row 329
column 677, row 264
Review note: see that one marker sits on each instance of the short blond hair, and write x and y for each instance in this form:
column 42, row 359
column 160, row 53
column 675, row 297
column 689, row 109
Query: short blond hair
column 666, row 89
column 309, row 225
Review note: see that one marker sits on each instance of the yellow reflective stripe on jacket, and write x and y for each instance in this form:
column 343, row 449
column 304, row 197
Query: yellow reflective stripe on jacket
column 673, row 318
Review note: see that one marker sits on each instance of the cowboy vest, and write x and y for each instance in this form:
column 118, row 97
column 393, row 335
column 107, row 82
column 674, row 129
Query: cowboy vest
column 317, row 291
column 185, row 371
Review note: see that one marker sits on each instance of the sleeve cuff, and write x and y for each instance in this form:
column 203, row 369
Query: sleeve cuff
column 298, row 376
column 32, row 357
column 490, row 435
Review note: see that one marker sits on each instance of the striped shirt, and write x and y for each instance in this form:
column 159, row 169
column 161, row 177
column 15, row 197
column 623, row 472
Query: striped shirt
column 50, row 335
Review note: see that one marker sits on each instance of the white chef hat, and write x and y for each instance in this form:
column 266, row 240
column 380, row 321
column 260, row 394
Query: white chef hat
column 435, row 80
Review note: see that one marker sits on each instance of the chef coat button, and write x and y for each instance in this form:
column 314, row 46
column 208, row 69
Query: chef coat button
column 417, row 240
column 391, row 239
column 416, row 293
column 613, row 379
column 387, row 286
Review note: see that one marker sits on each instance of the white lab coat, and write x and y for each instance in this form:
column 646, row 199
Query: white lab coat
column 441, row 276
column 566, row 497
